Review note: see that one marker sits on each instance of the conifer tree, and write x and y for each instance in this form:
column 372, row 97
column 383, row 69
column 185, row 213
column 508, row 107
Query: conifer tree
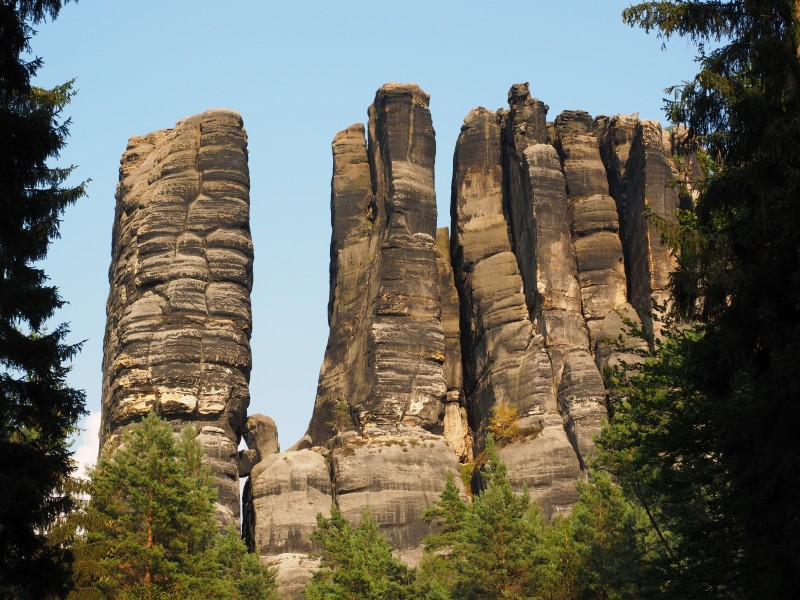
column 150, row 526
column 733, row 441
column 497, row 553
column 436, row 574
column 448, row 513
column 356, row 562
column 38, row 410
column 610, row 538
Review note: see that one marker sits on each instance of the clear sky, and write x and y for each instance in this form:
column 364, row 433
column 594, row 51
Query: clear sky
column 299, row 72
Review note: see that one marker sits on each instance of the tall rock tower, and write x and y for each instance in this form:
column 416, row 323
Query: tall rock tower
column 551, row 248
column 177, row 338
column 389, row 393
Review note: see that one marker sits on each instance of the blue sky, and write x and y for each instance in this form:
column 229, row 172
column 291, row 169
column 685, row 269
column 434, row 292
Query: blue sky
column 300, row 72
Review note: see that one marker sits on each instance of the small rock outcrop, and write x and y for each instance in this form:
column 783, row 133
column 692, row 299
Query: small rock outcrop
column 177, row 338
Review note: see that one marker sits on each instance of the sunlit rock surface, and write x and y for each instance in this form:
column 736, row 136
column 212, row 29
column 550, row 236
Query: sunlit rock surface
column 178, row 325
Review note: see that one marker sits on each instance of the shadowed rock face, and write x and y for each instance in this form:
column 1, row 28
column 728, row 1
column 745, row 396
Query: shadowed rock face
column 178, row 314
column 642, row 176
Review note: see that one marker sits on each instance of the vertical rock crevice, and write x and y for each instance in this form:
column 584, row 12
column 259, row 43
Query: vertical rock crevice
column 643, row 180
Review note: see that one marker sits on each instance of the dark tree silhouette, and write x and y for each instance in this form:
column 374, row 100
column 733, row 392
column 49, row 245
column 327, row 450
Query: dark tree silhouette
column 38, row 410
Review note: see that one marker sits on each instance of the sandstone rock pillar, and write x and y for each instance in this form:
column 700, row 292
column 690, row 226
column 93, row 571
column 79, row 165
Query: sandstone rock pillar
column 540, row 223
column 178, row 313
column 594, row 223
column 505, row 360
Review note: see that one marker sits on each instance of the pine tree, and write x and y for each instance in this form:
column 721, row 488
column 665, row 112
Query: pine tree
column 150, row 526
column 497, row 553
column 448, row 514
column 38, row 410
column 669, row 466
column 436, row 574
column 356, row 562
column 561, row 574
column 610, row 537
column 740, row 278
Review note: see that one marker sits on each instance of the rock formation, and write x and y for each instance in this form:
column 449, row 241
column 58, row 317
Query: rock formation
column 550, row 251
column 389, row 396
column 551, row 248
column 178, row 314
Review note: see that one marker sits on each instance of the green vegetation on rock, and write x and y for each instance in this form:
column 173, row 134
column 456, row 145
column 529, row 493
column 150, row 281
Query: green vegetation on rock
column 357, row 562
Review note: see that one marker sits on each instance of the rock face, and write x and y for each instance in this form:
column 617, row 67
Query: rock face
column 594, row 224
column 521, row 306
column 178, row 313
column 642, row 176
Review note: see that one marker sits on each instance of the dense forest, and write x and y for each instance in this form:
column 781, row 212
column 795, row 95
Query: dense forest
column 694, row 490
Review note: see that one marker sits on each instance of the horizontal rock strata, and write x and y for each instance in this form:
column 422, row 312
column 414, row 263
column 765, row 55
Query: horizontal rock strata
column 178, row 313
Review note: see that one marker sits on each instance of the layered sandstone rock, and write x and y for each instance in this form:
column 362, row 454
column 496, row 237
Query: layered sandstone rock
column 594, row 224
column 389, row 395
column 551, row 250
column 178, row 314
column 429, row 335
column 511, row 353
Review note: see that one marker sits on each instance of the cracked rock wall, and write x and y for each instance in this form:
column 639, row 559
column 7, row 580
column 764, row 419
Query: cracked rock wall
column 178, row 326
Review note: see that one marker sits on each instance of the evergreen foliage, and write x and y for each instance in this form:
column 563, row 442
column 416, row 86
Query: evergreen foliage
column 672, row 469
column 497, row 554
column 605, row 543
column 436, row 576
column 38, row 410
column 725, row 403
column 356, row 562
column 500, row 547
column 489, row 549
column 150, row 526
